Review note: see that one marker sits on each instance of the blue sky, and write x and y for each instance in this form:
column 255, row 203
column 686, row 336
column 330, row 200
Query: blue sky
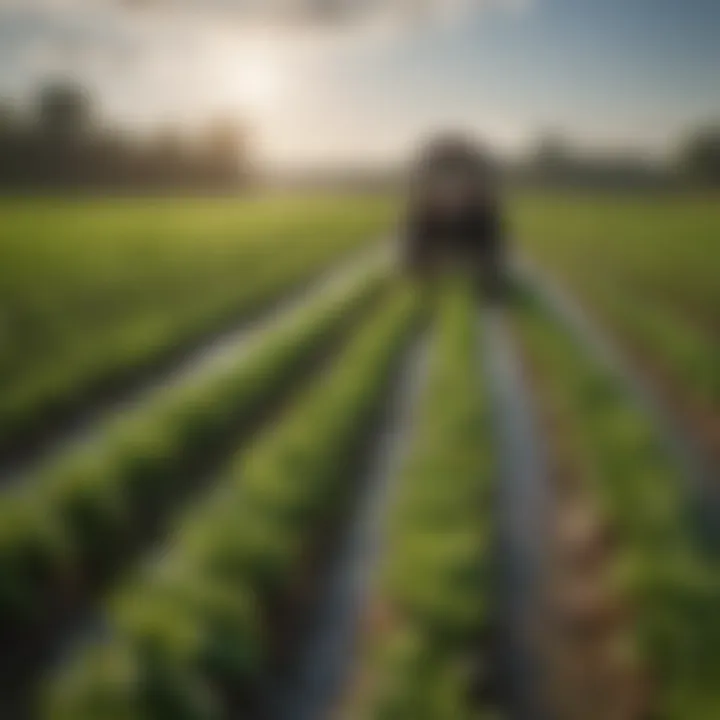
column 366, row 84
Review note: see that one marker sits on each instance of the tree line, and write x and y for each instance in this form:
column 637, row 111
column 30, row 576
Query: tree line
column 61, row 145
column 555, row 161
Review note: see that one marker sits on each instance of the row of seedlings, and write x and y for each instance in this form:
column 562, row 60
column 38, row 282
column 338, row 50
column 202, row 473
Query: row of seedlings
column 426, row 649
column 199, row 632
column 680, row 356
column 640, row 592
column 589, row 667
column 67, row 531
column 50, row 387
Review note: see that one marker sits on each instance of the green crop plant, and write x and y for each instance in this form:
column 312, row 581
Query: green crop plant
column 435, row 585
column 647, row 266
column 660, row 566
column 76, row 519
column 196, row 626
column 93, row 293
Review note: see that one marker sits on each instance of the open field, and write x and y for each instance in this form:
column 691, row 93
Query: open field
column 389, row 501
column 662, row 247
column 94, row 293
column 648, row 267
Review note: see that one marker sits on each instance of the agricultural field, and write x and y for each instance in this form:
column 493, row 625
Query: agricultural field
column 648, row 269
column 94, row 294
column 248, row 470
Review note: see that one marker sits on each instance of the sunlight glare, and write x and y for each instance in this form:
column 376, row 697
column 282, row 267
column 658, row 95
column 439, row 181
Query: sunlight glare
column 255, row 78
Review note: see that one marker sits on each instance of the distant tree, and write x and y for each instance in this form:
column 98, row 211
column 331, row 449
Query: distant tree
column 556, row 162
column 700, row 155
column 60, row 153
column 64, row 110
column 166, row 157
column 8, row 144
column 225, row 151
column 7, row 118
column 61, row 146
column 223, row 138
column 552, row 155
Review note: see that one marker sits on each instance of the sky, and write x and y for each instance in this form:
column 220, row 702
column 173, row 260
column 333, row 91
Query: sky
column 363, row 81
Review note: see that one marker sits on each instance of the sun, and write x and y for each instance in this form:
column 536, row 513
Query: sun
column 259, row 82
column 251, row 77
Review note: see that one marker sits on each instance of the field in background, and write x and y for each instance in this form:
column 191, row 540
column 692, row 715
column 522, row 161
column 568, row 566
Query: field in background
column 662, row 247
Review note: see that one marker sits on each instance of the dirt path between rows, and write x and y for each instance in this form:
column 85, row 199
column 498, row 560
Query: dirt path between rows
column 523, row 510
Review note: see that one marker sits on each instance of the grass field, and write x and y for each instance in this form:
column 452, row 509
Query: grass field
column 174, row 566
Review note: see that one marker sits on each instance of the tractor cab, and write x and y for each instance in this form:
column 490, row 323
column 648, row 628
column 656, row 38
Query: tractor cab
column 454, row 214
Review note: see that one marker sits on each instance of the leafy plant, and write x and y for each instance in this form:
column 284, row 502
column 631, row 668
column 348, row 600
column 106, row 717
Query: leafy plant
column 201, row 614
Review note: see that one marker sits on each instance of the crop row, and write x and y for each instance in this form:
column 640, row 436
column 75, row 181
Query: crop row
column 198, row 627
column 49, row 383
column 85, row 269
column 648, row 269
column 659, row 566
column 76, row 521
column 430, row 616
column 665, row 338
column 663, row 249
